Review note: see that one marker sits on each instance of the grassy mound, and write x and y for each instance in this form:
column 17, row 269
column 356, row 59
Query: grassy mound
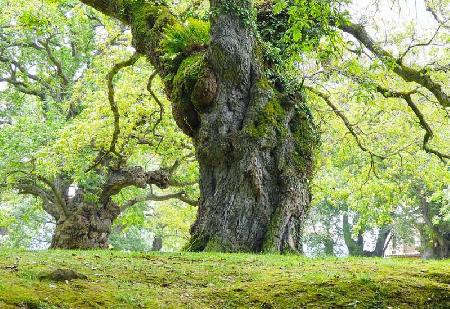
column 205, row 280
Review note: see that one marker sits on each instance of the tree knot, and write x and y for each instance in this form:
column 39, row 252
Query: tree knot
column 159, row 178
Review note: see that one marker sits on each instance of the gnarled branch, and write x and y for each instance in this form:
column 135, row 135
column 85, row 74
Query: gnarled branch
column 48, row 201
column 133, row 176
column 59, row 199
column 153, row 197
column 346, row 122
column 405, row 72
column 113, row 105
column 422, row 122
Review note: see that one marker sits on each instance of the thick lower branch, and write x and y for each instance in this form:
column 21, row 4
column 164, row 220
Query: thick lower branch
column 159, row 198
column 133, row 176
column 48, row 202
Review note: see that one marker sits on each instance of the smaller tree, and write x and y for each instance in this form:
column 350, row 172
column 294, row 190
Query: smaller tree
column 75, row 146
column 434, row 228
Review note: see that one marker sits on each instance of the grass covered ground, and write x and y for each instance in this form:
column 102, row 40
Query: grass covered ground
column 206, row 280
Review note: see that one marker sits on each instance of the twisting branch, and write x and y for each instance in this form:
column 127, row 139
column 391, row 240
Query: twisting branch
column 177, row 163
column 113, row 105
column 411, row 45
column 58, row 65
column 25, row 86
column 54, row 202
column 433, row 12
column 114, row 108
column 407, row 96
column 161, row 106
column 132, row 176
column 24, row 71
column 21, row 86
column 163, row 182
column 405, row 72
column 112, row 8
column 153, row 197
column 60, row 203
column 152, row 17
column 422, row 122
column 172, row 170
column 47, row 200
column 346, row 122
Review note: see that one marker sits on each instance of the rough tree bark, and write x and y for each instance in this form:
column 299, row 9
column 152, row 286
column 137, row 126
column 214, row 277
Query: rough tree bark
column 254, row 168
column 86, row 227
column 254, row 140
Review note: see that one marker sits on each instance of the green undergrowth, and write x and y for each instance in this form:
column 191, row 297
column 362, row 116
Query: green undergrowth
column 211, row 280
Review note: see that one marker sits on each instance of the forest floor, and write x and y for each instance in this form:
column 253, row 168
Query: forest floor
column 210, row 280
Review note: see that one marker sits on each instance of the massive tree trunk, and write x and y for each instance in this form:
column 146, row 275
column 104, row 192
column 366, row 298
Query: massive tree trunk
column 254, row 149
column 254, row 140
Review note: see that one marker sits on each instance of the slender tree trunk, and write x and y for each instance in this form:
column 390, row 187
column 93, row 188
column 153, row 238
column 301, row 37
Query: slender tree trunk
column 157, row 243
column 86, row 227
column 380, row 245
column 355, row 248
column 328, row 246
column 436, row 243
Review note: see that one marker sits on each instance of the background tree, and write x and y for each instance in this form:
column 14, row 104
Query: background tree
column 69, row 158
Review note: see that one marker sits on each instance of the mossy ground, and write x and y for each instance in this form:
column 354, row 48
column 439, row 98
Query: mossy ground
column 211, row 280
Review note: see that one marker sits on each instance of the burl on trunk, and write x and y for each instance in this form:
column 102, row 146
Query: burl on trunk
column 88, row 227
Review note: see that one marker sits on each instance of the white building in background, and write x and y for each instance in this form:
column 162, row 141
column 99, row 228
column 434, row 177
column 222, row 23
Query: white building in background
column 400, row 249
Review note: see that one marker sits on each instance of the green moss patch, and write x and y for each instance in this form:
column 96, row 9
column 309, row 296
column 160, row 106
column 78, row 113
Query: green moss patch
column 212, row 280
column 269, row 122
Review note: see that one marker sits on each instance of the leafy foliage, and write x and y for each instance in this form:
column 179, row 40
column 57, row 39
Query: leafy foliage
column 184, row 39
column 55, row 120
